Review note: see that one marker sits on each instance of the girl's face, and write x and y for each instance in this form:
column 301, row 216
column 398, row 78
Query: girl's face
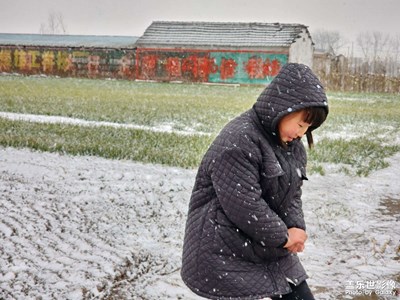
column 292, row 126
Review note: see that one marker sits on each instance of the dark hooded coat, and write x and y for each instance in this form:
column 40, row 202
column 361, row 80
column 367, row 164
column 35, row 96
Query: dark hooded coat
column 247, row 194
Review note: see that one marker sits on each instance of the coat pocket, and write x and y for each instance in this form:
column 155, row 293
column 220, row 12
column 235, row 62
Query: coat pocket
column 230, row 241
column 270, row 183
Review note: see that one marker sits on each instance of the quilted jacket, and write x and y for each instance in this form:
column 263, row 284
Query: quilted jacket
column 246, row 195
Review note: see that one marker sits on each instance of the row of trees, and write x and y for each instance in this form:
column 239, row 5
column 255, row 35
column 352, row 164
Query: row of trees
column 370, row 63
column 370, row 46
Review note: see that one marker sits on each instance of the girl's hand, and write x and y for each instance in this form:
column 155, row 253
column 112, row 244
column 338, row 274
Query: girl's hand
column 296, row 248
column 297, row 238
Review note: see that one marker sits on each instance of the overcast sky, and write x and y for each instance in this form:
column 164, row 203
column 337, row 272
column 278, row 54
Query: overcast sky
column 132, row 17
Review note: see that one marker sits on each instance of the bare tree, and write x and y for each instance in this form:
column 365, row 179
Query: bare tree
column 393, row 55
column 375, row 47
column 364, row 41
column 329, row 41
column 380, row 44
column 55, row 24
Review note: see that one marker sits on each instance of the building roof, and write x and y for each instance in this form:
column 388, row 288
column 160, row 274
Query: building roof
column 48, row 40
column 217, row 34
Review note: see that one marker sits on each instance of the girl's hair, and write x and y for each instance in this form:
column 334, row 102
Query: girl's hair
column 314, row 115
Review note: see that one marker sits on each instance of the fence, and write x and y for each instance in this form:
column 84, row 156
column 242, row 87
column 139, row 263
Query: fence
column 352, row 75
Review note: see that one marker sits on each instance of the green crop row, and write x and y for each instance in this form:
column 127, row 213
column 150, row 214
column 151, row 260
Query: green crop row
column 360, row 132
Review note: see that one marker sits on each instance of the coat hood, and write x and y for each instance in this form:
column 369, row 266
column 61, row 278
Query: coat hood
column 294, row 88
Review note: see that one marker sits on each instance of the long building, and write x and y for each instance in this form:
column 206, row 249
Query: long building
column 214, row 52
column 68, row 55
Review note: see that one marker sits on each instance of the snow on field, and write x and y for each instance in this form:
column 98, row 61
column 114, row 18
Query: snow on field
column 87, row 227
column 165, row 127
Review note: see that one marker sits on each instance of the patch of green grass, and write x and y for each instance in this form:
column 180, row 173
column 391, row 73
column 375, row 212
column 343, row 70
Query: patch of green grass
column 359, row 156
column 354, row 108
column 315, row 168
column 139, row 145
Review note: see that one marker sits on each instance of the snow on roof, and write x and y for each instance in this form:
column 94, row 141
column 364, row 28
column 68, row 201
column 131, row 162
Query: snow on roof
column 231, row 34
column 48, row 40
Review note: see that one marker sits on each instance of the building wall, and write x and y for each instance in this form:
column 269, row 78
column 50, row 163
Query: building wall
column 67, row 62
column 187, row 65
column 214, row 66
column 302, row 50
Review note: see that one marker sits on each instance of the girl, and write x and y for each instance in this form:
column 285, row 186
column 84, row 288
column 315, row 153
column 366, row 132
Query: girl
column 245, row 222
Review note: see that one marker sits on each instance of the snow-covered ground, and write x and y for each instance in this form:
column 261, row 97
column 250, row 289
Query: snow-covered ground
column 87, row 227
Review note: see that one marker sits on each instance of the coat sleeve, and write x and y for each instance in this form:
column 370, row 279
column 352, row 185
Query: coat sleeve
column 236, row 180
